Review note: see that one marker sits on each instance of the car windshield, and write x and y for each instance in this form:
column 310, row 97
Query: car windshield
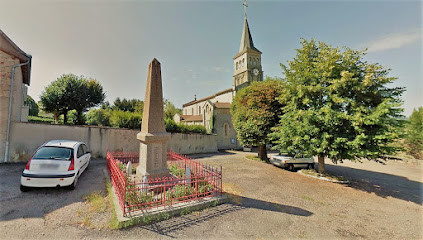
column 55, row 153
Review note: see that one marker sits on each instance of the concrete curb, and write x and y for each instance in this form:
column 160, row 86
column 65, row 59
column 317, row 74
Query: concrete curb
column 161, row 213
column 324, row 179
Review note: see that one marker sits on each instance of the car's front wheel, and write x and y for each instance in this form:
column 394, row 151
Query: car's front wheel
column 24, row 189
column 291, row 167
column 311, row 166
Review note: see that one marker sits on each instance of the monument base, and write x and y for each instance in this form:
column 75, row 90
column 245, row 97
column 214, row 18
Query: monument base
column 153, row 148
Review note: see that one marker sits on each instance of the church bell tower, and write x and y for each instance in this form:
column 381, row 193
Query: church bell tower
column 247, row 62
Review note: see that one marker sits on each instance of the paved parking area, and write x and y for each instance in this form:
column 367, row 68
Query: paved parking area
column 383, row 202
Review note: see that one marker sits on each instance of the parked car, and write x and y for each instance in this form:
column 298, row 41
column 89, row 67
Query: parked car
column 56, row 163
column 290, row 162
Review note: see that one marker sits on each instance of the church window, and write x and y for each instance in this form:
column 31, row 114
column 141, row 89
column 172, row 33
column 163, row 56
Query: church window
column 199, row 110
column 236, row 66
column 243, row 62
column 226, row 130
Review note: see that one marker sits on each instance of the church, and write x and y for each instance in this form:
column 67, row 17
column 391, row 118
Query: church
column 213, row 112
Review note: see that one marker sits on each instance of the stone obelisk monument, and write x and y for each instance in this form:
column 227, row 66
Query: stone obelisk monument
column 153, row 136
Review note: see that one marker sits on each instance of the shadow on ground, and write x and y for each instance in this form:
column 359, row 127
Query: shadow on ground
column 38, row 202
column 236, row 203
column 382, row 184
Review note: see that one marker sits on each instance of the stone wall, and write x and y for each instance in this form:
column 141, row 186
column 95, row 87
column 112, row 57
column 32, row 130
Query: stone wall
column 27, row 137
column 6, row 63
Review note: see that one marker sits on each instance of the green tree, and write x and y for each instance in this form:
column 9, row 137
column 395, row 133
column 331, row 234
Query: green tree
column 33, row 106
column 255, row 110
column 169, row 109
column 85, row 94
column 130, row 105
column 53, row 98
column 414, row 134
column 70, row 92
column 337, row 106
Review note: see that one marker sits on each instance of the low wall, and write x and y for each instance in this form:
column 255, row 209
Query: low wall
column 27, row 137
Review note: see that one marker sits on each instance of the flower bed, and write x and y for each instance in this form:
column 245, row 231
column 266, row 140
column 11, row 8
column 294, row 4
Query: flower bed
column 135, row 194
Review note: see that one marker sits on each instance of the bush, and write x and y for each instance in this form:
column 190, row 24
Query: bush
column 123, row 119
column 98, row 117
column 33, row 106
column 173, row 127
column 39, row 119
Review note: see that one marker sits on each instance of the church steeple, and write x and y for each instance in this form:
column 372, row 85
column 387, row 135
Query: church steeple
column 247, row 62
column 246, row 39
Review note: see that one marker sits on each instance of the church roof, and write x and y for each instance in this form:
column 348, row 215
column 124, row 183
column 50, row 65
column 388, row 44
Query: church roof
column 207, row 98
column 9, row 47
column 222, row 104
column 246, row 40
column 192, row 118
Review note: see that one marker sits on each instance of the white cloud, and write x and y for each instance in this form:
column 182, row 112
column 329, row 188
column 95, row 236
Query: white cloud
column 393, row 41
column 220, row 69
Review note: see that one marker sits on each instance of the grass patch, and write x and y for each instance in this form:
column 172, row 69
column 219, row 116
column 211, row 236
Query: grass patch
column 329, row 176
column 97, row 202
column 306, row 198
column 255, row 158
column 113, row 223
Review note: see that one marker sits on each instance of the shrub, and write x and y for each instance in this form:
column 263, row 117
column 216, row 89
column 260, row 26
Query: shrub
column 123, row 119
column 40, row 119
column 171, row 126
column 98, row 117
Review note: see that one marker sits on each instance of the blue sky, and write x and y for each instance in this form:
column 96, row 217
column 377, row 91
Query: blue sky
column 195, row 41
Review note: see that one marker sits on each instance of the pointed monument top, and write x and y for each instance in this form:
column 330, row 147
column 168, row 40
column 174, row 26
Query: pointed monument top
column 153, row 117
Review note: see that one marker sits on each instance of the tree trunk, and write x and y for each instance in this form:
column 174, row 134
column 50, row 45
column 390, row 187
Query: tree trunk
column 262, row 153
column 79, row 118
column 321, row 160
column 56, row 118
column 65, row 118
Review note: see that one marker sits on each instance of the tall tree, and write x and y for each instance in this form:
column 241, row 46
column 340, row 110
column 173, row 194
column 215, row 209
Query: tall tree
column 414, row 134
column 169, row 109
column 53, row 98
column 255, row 110
column 70, row 92
column 337, row 106
column 33, row 106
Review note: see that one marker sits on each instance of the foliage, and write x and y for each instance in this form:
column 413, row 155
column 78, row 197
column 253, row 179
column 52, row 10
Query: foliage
column 180, row 192
column 128, row 105
column 40, row 119
column 33, row 106
column 173, row 127
column 169, row 109
column 70, row 92
column 337, row 106
column 255, row 110
column 179, row 172
column 98, row 117
column 414, row 134
column 123, row 119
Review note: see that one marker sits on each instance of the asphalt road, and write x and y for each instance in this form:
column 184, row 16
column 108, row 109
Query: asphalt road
column 382, row 202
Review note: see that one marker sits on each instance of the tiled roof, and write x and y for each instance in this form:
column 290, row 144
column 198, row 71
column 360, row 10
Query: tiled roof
column 222, row 104
column 192, row 118
column 207, row 98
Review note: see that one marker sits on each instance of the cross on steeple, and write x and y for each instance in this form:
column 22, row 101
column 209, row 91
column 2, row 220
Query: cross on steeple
column 245, row 8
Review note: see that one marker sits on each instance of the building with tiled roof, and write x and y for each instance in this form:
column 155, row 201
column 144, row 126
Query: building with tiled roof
column 213, row 112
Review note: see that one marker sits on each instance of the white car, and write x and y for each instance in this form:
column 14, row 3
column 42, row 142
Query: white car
column 56, row 163
column 290, row 163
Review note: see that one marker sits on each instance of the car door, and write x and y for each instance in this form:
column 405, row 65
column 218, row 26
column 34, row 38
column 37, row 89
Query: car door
column 80, row 157
column 87, row 155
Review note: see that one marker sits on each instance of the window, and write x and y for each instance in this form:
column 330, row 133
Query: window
column 85, row 148
column 80, row 151
column 53, row 153
column 226, row 130
column 199, row 110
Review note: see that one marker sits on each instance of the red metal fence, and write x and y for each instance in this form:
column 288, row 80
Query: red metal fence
column 182, row 185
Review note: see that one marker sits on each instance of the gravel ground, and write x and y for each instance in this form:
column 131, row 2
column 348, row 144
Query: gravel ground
column 382, row 202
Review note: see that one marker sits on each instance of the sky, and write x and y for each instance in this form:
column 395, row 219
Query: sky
column 195, row 41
